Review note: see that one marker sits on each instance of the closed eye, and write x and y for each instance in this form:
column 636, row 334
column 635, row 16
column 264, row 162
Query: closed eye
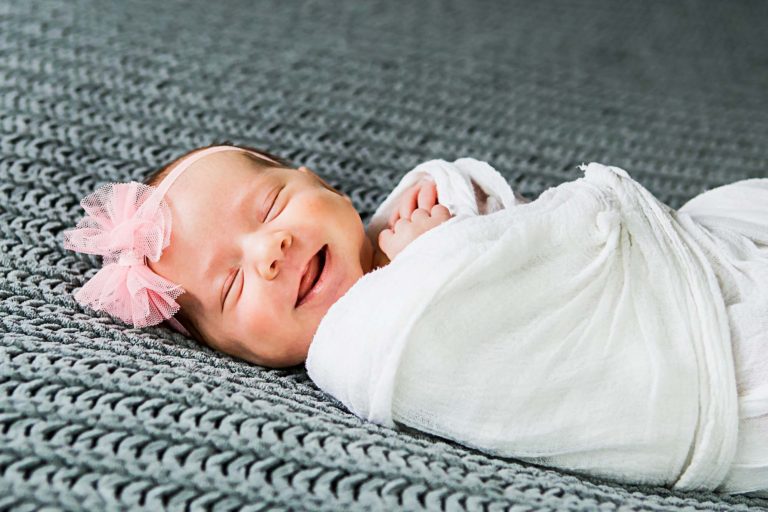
column 231, row 285
column 274, row 202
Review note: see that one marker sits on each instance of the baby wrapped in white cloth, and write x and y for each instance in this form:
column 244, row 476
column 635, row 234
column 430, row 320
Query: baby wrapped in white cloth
column 594, row 329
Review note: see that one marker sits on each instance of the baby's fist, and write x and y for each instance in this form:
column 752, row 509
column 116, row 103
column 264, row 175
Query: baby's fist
column 395, row 238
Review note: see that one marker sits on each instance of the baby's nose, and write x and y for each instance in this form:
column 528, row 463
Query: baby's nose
column 276, row 254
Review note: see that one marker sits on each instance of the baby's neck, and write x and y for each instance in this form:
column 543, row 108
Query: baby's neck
column 379, row 258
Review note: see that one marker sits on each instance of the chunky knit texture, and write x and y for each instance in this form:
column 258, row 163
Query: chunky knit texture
column 95, row 415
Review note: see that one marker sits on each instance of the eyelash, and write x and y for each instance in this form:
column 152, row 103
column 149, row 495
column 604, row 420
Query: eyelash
column 231, row 285
column 274, row 202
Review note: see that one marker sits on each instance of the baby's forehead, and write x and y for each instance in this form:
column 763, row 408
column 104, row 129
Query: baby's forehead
column 225, row 172
column 243, row 160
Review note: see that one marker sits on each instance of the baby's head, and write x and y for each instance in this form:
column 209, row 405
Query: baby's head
column 244, row 226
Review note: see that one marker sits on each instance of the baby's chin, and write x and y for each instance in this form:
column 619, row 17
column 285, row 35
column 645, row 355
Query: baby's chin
column 288, row 360
column 275, row 356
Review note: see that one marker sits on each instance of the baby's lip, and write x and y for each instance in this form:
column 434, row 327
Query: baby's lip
column 303, row 271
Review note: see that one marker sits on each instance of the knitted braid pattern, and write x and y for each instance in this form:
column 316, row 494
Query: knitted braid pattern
column 96, row 415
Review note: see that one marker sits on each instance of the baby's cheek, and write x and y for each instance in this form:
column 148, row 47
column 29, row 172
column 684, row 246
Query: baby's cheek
column 267, row 317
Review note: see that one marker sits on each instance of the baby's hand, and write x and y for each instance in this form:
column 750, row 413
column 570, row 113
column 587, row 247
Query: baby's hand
column 421, row 195
column 394, row 239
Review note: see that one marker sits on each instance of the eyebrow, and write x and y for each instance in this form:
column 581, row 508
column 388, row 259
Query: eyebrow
column 209, row 266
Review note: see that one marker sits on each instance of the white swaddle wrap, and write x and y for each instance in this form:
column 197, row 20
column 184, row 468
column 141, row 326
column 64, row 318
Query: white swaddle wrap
column 584, row 330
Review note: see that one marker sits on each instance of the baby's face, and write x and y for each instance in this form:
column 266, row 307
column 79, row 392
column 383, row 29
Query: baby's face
column 241, row 235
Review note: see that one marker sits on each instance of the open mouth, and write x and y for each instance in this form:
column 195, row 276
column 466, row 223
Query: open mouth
column 311, row 276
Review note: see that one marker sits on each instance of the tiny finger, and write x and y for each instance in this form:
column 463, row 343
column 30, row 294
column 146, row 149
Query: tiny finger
column 419, row 214
column 400, row 223
column 393, row 217
column 427, row 195
column 440, row 211
column 408, row 203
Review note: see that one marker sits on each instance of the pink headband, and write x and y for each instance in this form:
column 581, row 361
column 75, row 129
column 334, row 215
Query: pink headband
column 126, row 224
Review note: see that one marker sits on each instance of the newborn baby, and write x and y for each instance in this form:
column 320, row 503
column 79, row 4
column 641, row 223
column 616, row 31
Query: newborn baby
column 594, row 329
column 262, row 250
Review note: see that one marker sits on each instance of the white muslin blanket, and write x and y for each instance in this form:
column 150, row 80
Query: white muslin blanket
column 585, row 330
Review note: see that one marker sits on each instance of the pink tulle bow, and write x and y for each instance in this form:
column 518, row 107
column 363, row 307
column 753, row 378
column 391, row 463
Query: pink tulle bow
column 125, row 234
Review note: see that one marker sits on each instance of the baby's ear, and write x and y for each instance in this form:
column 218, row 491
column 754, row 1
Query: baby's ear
column 321, row 180
column 308, row 171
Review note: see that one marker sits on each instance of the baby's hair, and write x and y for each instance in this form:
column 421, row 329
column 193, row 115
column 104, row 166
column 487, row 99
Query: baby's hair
column 157, row 176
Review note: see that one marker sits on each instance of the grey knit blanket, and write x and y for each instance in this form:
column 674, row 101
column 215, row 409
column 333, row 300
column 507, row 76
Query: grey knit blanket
column 97, row 415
